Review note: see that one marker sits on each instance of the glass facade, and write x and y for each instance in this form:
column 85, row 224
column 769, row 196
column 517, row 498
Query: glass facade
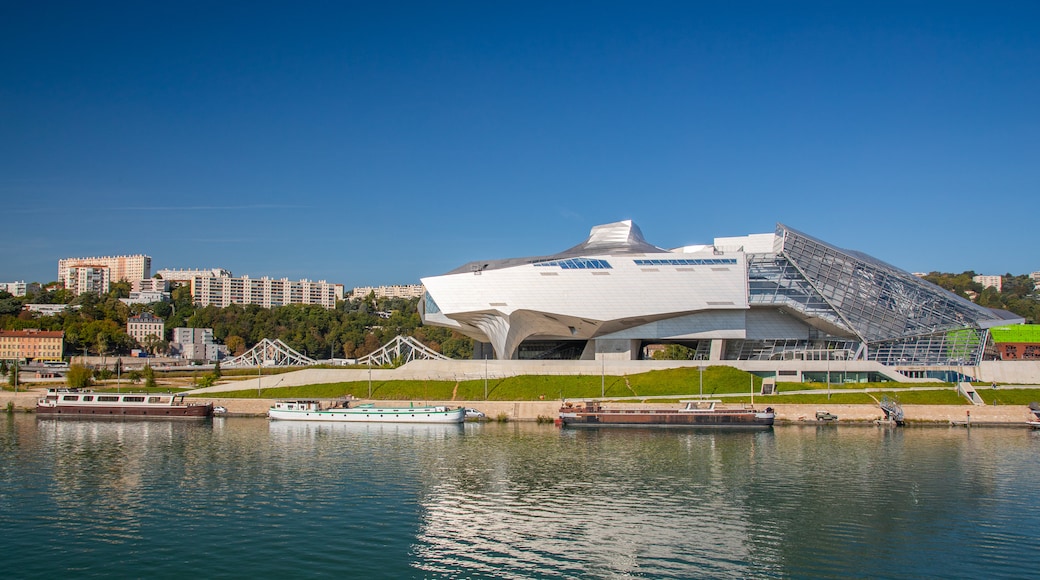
column 894, row 317
column 577, row 264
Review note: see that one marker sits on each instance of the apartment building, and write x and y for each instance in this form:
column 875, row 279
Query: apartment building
column 395, row 291
column 196, row 344
column 183, row 276
column 266, row 292
column 989, row 281
column 15, row 288
column 141, row 326
column 31, row 344
column 82, row 279
column 120, row 268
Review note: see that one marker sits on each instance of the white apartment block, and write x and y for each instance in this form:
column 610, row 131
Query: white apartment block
column 14, row 288
column 196, row 344
column 989, row 281
column 83, row 279
column 146, row 297
column 49, row 309
column 183, row 277
column 397, row 291
column 266, row 292
column 141, row 326
column 135, row 267
column 150, row 285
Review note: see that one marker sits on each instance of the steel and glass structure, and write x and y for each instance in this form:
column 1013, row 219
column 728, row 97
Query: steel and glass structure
column 775, row 296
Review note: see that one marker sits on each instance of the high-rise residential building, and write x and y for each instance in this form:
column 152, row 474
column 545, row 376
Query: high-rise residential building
column 120, row 268
column 266, row 292
column 83, row 279
column 146, row 324
column 31, row 344
column 989, row 281
column 395, row 291
column 183, row 277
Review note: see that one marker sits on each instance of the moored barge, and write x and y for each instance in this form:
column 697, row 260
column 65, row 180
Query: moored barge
column 90, row 404
column 364, row 413
column 701, row 413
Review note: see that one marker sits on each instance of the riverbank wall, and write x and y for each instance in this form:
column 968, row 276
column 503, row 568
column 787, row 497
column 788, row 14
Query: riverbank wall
column 995, row 415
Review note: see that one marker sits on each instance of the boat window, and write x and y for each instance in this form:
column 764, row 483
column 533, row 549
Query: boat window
column 154, row 399
column 88, row 398
column 70, row 398
column 129, row 399
column 107, row 398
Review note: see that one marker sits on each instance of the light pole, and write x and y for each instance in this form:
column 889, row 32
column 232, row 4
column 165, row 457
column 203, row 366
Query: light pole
column 369, row 378
column 702, row 380
column 603, row 378
column 485, row 376
column 258, row 380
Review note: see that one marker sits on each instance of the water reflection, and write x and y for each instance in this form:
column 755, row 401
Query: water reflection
column 514, row 500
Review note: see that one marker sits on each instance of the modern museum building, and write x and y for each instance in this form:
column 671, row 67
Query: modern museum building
column 762, row 297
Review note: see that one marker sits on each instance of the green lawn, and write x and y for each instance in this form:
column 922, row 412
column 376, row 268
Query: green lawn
column 717, row 380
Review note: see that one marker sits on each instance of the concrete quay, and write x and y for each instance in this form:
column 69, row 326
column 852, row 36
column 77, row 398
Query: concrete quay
column 935, row 415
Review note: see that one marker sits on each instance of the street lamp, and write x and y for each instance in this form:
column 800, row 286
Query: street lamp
column 702, row 380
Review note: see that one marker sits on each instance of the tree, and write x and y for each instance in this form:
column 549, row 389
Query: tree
column 150, row 343
column 12, row 376
column 79, row 377
column 216, row 369
column 236, row 344
column 3, row 367
column 149, row 377
column 675, row 352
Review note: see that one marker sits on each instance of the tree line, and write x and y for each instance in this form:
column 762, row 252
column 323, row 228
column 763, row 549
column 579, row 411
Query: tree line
column 96, row 324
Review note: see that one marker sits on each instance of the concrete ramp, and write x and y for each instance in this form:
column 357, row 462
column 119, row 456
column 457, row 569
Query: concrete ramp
column 968, row 392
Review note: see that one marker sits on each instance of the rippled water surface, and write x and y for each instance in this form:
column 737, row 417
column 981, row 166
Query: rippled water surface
column 248, row 498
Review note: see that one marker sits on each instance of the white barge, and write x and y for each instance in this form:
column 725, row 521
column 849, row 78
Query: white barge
column 366, row 413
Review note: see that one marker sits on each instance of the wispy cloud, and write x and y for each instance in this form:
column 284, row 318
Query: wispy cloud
column 210, row 207
column 155, row 208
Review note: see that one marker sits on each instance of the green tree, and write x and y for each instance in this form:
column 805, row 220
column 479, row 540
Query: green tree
column 79, row 377
column 149, row 377
column 675, row 352
column 216, row 369
column 3, row 367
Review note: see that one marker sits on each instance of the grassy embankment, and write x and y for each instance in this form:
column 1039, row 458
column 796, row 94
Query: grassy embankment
column 719, row 381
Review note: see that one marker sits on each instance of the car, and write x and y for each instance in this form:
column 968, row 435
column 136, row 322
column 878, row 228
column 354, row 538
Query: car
column 474, row 414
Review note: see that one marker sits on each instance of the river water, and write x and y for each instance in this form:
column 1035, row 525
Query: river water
column 247, row 498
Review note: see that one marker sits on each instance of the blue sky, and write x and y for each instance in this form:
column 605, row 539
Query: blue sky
column 380, row 142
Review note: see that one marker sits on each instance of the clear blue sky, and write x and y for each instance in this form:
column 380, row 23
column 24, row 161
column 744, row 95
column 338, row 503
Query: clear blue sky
column 379, row 142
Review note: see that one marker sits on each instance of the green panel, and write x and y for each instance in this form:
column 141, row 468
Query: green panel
column 1016, row 333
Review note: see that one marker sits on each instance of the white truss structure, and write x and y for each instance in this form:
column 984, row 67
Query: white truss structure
column 401, row 348
column 270, row 353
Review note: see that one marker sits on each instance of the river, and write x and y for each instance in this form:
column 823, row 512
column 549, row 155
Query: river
column 246, row 498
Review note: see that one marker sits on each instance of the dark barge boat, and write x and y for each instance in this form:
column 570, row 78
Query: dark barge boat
column 702, row 413
column 90, row 404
